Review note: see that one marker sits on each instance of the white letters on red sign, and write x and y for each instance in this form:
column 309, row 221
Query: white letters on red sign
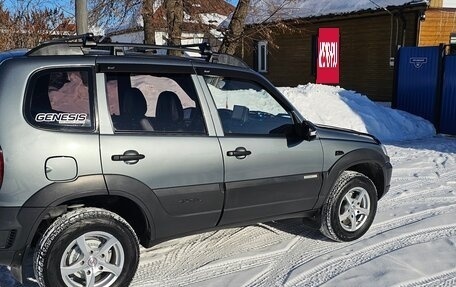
column 328, row 57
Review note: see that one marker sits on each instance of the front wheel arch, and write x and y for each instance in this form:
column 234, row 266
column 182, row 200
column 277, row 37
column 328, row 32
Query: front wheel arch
column 366, row 161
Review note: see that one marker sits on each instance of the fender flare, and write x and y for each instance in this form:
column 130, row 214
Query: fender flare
column 355, row 157
column 51, row 196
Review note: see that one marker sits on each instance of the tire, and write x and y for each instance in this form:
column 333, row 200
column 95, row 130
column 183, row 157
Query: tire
column 350, row 207
column 87, row 244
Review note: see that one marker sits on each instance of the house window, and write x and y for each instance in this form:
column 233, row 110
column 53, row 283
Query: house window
column 262, row 56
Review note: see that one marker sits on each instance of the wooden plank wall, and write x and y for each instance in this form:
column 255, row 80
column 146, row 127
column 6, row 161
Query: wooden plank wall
column 437, row 27
column 365, row 53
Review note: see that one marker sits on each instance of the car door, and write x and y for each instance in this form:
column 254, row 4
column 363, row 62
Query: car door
column 160, row 135
column 268, row 172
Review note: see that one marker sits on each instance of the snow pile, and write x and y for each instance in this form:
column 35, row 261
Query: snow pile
column 347, row 109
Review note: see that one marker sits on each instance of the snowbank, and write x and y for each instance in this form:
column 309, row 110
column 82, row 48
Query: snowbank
column 347, row 109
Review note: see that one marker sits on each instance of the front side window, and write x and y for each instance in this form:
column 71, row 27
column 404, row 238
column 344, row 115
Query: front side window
column 160, row 103
column 60, row 99
column 245, row 107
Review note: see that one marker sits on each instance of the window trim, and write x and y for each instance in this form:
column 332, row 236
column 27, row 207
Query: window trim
column 26, row 109
column 262, row 56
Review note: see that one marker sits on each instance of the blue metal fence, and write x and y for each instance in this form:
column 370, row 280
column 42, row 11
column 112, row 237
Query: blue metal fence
column 425, row 85
column 417, row 80
column 448, row 109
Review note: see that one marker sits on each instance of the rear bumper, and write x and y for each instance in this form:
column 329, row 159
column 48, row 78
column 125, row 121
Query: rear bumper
column 9, row 228
column 17, row 227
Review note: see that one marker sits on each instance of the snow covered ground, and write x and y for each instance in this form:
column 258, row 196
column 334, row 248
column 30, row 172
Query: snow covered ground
column 411, row 243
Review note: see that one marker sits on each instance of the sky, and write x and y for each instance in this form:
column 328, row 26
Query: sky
column 234, row 2
column 67, row 5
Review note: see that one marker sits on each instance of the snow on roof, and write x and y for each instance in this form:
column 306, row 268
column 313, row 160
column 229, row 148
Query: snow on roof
column 261, row 11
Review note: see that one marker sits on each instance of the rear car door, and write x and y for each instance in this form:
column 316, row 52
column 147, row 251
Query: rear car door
column 160, row 135
column 267, row 172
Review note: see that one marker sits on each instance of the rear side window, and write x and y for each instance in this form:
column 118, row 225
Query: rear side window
column 60, row 99
column 154, row 103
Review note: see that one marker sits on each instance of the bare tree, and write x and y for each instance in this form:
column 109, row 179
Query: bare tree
column 28, row 25
column 148, row 19
column 174, row 19
column 269, row 18
column 111, row 13
column 235, row 29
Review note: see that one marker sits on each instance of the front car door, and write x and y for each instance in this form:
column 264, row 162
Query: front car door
column 160, row 135
column 267, row 172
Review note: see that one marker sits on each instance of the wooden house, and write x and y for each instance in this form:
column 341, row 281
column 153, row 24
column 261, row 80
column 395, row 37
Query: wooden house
column 370, row 34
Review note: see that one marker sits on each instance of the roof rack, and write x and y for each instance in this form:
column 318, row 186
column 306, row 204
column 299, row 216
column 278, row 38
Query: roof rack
column 88, row 44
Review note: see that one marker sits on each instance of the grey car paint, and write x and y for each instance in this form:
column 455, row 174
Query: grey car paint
column 185, row 172
column 26, row 148
column 278, row 177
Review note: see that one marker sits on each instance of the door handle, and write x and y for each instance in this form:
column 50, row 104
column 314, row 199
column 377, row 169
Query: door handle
column 129, row 157
column 239, row 153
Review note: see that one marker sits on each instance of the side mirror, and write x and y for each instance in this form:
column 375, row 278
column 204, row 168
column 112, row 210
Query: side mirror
column 307, row 131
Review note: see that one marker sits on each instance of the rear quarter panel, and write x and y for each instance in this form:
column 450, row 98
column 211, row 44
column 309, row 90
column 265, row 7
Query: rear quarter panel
column 25, row 147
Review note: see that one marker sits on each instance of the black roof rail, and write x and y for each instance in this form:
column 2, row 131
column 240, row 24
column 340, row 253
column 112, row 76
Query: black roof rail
column 90, row 44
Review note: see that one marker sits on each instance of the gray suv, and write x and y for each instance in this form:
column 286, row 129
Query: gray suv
column 105, row 146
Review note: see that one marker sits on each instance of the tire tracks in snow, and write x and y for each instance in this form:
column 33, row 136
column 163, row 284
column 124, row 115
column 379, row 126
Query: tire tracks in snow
column 191, row 255
column 300, row 250
column 295, row 259
column 330, row 269
column 412, row 184
column 445, row 278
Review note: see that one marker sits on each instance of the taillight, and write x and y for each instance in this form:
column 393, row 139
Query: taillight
column 2, row 167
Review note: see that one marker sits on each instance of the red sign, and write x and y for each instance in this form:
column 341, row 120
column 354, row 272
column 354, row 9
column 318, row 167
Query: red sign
column 328, row 63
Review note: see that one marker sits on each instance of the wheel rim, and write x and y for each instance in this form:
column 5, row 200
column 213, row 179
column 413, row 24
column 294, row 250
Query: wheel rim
column 354, row 209
column 93, row 259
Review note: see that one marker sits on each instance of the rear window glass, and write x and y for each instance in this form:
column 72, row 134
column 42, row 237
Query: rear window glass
column 60, row 99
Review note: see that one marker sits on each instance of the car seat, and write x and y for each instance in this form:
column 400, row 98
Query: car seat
column 169, row 113
column 133, row 112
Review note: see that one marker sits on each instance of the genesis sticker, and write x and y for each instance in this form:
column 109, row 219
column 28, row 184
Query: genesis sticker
column 62, row 118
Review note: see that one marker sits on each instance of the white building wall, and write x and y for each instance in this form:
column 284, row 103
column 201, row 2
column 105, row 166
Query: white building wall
column 160, row 38
column 449, row 3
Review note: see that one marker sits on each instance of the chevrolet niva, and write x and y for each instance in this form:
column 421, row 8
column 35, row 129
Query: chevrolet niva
column 105, row 146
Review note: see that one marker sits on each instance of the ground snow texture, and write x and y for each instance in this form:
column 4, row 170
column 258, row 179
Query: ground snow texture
column 412, row 241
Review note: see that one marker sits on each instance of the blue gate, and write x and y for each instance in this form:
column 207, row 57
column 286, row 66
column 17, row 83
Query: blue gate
column 448, row 110
column 417, row 81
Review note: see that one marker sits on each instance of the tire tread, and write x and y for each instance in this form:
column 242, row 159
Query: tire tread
column 326, row 225
column 62, row 223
